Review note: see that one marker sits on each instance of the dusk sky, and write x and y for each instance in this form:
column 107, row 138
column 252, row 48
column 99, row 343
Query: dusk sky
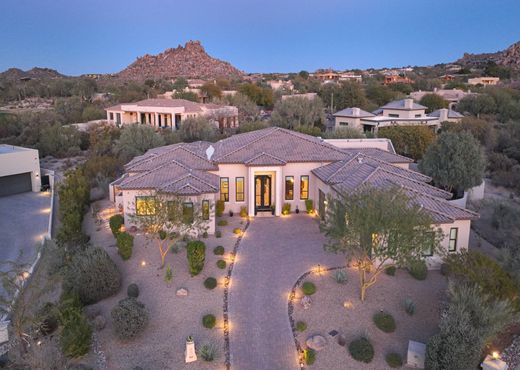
column 94, row 36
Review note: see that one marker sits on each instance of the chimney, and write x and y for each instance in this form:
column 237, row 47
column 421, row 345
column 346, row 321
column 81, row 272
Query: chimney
column 356, row 112
column 360, row 159
column 408, row 103
column 434, row 89
column 443, row 115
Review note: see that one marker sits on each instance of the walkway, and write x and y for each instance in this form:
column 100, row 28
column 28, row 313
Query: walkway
column 272, row 256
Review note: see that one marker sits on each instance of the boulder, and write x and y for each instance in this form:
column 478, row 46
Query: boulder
column 316, row 342
column 342, row 341
column 181, row 292
column 100, row 322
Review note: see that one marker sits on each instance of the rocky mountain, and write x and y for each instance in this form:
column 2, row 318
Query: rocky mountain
column 509, row 57
column 190, row 61
column 36, row 73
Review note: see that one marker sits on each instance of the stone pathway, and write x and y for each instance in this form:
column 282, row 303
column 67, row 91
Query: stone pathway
column 273, row 254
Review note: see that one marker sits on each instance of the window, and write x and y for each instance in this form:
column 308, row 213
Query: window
column 343, row 123
column 454, row 231
column 429, row 251
column 224, row 189
column 418, row 115
column 394, row 115
column 145, row 206
column 304, row 187
column 187, row 212
column 205, row 210
column 239, row 189
column 289, row 187
column 111, row 116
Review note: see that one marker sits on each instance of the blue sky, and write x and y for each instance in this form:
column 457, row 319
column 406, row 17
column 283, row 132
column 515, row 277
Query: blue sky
column 95, row 36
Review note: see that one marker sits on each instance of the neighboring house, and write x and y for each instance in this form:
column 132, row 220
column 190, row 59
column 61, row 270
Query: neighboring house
column 350, row 77
column 265, row 169
column 169, row 113
column 446, row 115
column 486, row 81
column 452, row 96
column 19, row 170
column 327, row 76
column 396, row 113
column 309, row 96
column 396, row 79
column 281, row 85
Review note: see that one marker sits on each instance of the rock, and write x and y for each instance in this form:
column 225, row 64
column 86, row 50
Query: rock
column 91, row 312
column 181, row 292
column 306, row 302
column 342, row 341
column 100, row 322
column 316, row 342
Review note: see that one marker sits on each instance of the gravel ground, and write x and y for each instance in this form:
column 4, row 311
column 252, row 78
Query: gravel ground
column 172, row 318
column 327, row 313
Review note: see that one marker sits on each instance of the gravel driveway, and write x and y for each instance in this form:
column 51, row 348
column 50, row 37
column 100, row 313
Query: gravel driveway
column 272, row 255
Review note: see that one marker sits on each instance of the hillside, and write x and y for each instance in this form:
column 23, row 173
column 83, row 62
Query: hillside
column 190, row 61
column 509, row 57
column 36, row 73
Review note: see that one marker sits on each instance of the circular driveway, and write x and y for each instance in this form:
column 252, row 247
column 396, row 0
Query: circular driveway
column 273, row 254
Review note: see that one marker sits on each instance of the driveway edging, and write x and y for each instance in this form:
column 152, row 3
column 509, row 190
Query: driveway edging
column 227, row 280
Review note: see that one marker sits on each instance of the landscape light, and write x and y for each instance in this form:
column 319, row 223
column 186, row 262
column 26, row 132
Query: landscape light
column 143, row 263
column 495, row 355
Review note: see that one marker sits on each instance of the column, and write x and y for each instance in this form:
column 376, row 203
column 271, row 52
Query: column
column 251, row 192
column 278, row 190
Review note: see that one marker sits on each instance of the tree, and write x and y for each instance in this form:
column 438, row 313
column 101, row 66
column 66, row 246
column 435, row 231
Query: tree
column 343, row 95
column 455, row 161
column 165, row 220
column 187, row 95
column 477, row 104
column 197, row 128
column 135, row 140
column 378, row 228
column 69, row 109
column 180, row 84
column 410, row 141
column 344, row 133
column 252, row 126
column 212, row 90
column 297, row 112
column 470, row 320
column 481, row 129
column 247, row 109
column 262, row 96
column 59, row 141
column 380, row 94
column 433, row 102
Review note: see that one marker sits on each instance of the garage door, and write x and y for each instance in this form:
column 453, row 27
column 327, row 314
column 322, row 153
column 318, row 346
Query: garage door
column 15, row 184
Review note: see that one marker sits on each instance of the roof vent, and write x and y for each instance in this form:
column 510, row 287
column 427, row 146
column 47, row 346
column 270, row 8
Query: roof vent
column 209, row 152
column 360, row 159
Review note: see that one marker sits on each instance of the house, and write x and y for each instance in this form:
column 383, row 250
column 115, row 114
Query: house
column 281, row 85
column 446, row 115
column 486, row 81
column 396, row 79
column 452, row 96
column 169, row 113
column 19, row 170
column 350, row 77
column 265, row 169
column 324, row 76
column 403, row 112
column 309, row 96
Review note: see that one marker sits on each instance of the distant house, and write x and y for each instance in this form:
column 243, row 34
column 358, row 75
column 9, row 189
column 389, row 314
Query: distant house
column 350, row 77
column 169, row 113
column 446, row 115
column 403, row 112
column 309, row 96
column 263, row 170
column 396, row 79
column 281, row 85
column 452, row 96
column 327, row 76
column 486, row 81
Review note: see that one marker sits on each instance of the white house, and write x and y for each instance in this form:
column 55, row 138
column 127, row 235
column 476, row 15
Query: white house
column 486, row 81
column 19, row 170
column 262, row 170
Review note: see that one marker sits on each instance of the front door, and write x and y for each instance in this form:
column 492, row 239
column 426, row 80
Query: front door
column 262, row 193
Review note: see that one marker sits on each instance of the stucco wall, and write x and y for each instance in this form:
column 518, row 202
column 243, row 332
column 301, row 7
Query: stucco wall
column 21, row 160
column 351, row 122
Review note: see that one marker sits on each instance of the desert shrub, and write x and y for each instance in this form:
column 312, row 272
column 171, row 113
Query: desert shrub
column 309, row 206
column 409, row 306
column 132, row 290
column 390, row 270
column 210, row 283
column 243, row 211
column 196, row 256
column 286, row 208
column 129, row 318
column 222, row 223
column 115, row 222
column 218, row 234
column 219, row 250
column 308, row 288
column 76, row 333
column 301, row 326
column 221, row 264
column 125, row 244
column 340, row 276
column 445, row 269
column 92, row 275
column 209, row 321
column 418, row 270
column 309, row 355
column 205, row 234
column 168, row 275
column 384, row 321
column 220, row 206
column 237, row 231
column 394, row 360
column 361, row 350
column 208, row 352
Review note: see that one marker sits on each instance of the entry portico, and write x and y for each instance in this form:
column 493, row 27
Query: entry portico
column 266, row 184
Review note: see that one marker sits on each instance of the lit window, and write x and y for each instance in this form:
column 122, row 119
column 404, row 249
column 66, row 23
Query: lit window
column 224, row 189
column 454, row 231
column 289, row 187
column 145, row 206
column 239, row 188
column 205, row 210
column 304, row 187
column 187, row 213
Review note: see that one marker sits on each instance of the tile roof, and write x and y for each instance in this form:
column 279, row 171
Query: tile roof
column 400, row 104
column 351, row 112
column 451, row 114
column 380, row 154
